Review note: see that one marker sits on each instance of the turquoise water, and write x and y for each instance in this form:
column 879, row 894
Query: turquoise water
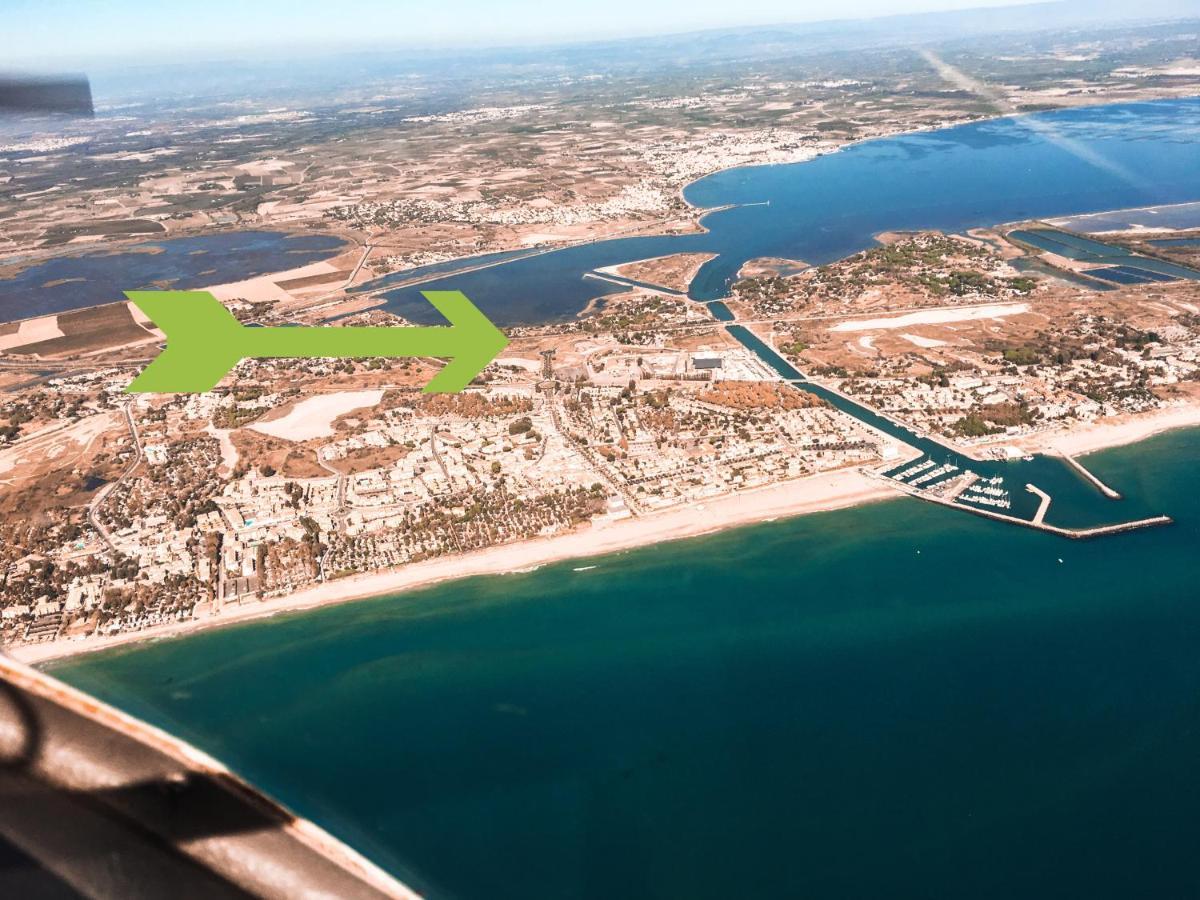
column 1066, row 162
column 892, row 701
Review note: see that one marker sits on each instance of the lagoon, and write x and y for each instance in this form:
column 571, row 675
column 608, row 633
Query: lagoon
column 72, row 282
column 1057, row 163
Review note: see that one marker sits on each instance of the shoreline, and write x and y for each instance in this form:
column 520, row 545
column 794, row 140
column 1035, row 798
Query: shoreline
column 1119, row 431
column 824, row 492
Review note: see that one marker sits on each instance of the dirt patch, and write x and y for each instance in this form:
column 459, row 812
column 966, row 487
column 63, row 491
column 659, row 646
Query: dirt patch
column 61, row 471
column 314, row 416
column 89, row 330
column 287, row 459
column 367, row 458
column 675, row 271
column 771, row 267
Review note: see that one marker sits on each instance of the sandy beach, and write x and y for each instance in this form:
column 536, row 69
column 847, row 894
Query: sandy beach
column 934, row 317
column 1115, row 432
column 818, row 493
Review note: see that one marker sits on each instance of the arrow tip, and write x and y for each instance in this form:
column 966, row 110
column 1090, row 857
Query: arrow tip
column 202, row 341
column 478, row 341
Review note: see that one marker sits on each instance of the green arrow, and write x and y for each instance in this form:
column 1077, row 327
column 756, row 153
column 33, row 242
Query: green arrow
column 204, row 341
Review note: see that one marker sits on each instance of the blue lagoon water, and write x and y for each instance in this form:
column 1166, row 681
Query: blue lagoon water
column 830, row 207
column 72, row 282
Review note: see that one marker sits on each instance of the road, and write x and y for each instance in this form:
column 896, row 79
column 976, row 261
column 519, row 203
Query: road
column 102, row 494
column 367, row 248
column 437, row 457
column 597, row 465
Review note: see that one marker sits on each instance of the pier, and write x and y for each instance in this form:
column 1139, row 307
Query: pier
column 1040, row 516
column 1038, row 522
column 622, row 281
column 1103, row 488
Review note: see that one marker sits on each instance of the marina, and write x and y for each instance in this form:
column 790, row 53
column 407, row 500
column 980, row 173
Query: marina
column 1068, row 481
column 995, row 509
column 932, row 475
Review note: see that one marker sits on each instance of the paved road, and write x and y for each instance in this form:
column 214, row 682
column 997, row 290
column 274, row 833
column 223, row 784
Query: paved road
column 102, row 494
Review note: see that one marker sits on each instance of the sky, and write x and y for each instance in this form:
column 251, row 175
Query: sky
column 48, row 33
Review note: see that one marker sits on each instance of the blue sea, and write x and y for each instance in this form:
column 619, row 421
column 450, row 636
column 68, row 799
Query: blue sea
column 897, row 700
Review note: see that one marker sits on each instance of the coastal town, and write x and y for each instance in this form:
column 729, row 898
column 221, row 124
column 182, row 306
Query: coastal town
column 968, row 348
column 159, row 509
column 370, row 474
column 646, row 416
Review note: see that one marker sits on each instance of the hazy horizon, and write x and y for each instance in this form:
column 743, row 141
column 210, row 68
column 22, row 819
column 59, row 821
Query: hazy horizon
column 53, row 33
